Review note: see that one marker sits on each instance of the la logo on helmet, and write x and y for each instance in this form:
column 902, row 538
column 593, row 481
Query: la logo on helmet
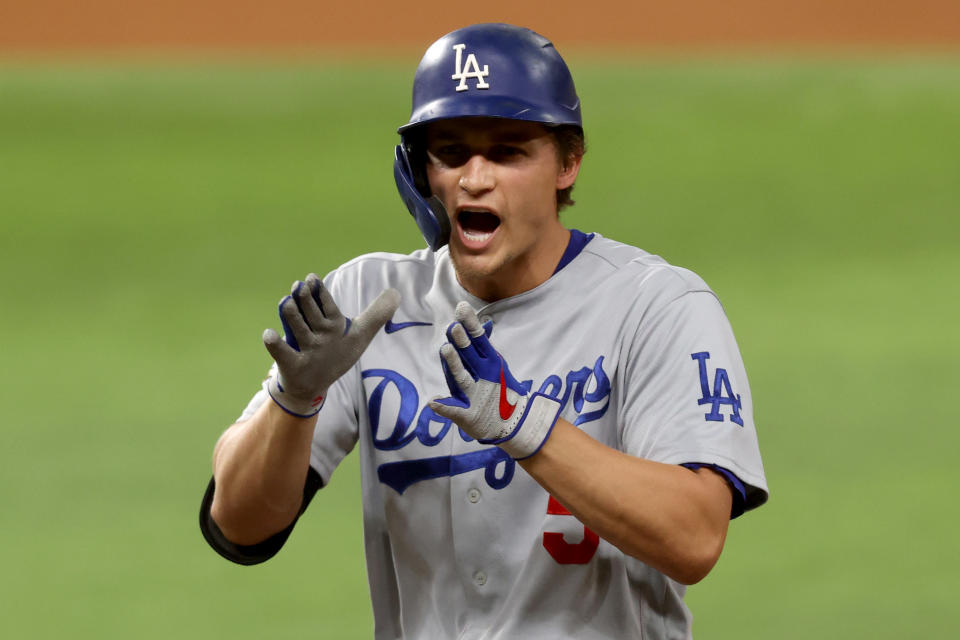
column 470, row 70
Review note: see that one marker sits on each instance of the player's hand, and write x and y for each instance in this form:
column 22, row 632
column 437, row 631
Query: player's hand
column 486, row 400
column 321, row 344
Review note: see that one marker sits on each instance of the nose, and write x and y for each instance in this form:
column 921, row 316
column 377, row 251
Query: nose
column 476, row 175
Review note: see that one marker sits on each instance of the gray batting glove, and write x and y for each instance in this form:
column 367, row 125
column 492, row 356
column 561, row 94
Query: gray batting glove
column 485, row 399
column 321, row 344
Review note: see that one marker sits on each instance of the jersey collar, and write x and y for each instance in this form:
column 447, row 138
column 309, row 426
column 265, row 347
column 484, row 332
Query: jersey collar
column 578, row 240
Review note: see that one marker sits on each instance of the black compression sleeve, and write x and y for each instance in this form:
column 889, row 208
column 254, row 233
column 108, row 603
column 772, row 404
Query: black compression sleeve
column 255, row 553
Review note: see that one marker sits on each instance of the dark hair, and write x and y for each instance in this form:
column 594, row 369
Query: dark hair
column 570, row 143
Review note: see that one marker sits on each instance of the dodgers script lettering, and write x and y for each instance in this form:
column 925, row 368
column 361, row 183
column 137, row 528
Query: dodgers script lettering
column 403, row 420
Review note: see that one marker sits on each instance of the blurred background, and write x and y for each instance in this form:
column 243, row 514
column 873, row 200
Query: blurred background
column 167, row 169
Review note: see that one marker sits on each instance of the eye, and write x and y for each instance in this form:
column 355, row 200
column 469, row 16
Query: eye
column 451, row 154
column 505, row 152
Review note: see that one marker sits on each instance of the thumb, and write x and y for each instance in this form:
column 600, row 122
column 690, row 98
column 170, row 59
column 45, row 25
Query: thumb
column 277, row 347
column 376, row 315
column 452, row 411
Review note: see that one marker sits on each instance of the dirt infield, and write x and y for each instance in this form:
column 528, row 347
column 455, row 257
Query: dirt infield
column 303, row 25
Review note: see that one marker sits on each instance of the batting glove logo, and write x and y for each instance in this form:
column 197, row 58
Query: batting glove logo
column 506, row 409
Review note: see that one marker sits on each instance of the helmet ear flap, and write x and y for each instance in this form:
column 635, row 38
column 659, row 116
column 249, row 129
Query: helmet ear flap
column 427, row 211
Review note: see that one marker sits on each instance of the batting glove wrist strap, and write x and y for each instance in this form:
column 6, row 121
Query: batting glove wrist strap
column 540, row 414
column 292, row 404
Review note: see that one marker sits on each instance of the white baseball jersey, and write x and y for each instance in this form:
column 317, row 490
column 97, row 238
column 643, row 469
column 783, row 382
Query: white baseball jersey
column 460, row 541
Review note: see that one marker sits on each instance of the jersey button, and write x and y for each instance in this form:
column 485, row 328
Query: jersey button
column 480, row 578
column 473, row 496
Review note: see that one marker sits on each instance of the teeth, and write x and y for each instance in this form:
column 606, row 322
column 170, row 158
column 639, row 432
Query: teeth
column 477, row 236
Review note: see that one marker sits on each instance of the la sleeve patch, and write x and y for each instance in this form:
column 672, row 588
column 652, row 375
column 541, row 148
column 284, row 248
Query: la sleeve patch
column 721, row 394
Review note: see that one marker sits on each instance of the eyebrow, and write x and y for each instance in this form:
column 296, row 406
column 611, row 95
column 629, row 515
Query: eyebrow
column 448, row 135
column 514, row 136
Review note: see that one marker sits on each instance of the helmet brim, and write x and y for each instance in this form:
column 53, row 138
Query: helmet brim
column 490, row 106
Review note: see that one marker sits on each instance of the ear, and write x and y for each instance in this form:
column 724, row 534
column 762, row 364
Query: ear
column 569, row 172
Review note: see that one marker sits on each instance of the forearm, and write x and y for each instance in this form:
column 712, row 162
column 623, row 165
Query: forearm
column 260, row 466
column 667, row 516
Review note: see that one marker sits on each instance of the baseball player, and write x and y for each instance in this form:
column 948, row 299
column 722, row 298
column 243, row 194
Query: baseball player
column 554, row 428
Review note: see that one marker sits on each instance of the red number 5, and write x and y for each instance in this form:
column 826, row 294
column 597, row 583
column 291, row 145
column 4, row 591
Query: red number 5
column 563, row 551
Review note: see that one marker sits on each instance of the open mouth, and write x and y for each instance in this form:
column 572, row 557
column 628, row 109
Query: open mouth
column 477, row 226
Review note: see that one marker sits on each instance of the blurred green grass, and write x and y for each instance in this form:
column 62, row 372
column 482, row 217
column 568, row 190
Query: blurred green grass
column 152, row 214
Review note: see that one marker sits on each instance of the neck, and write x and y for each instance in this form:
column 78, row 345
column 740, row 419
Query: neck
column 520, row 274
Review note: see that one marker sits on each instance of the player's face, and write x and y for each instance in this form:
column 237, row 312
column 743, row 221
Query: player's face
column 498, row 180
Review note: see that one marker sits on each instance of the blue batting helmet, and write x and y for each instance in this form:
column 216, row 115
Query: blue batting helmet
column 485, row 70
